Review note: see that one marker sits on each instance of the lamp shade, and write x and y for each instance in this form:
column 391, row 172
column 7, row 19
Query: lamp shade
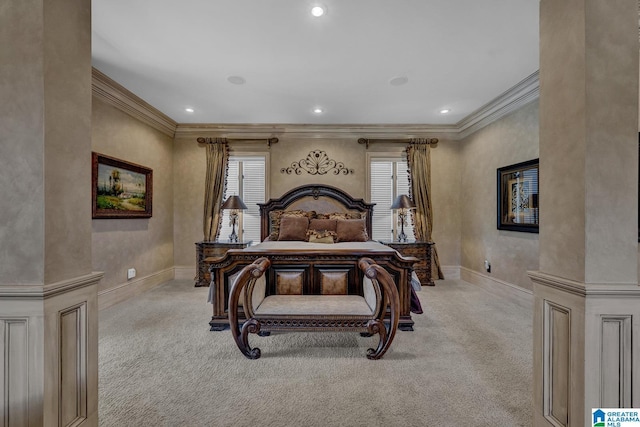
column 403, row 202
column 234, row 202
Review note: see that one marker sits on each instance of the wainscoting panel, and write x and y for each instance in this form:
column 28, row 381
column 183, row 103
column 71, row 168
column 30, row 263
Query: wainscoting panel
column 73, row 365
column 583, row 336
column 557, row 356
column 615, row 362
column 49, row 354
column 14, row 395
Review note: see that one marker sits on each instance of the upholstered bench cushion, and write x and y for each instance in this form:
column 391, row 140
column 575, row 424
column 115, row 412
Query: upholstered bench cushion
column 318, row 305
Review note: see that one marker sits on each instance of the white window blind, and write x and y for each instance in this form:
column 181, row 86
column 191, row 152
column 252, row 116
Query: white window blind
column 388, row 179
column 382, row 195
column 245, row 178
column 253, row 171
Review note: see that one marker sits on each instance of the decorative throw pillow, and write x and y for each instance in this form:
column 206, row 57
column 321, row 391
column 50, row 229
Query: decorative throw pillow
column 352, row 230
column 293, row 228
column 323, row 224
column 327, row 239
column 321, row 236
column 276, row 216
column 341, row 215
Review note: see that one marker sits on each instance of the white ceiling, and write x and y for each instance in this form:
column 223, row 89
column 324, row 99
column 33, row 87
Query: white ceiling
column 456, row 54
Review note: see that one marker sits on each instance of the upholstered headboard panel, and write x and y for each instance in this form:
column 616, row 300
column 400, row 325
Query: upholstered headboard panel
column 314, row 197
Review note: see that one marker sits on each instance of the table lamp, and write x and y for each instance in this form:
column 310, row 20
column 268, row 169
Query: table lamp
column 234, row 203
column 402, row 203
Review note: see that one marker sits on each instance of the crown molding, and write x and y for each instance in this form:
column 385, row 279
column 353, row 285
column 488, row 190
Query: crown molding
column 518, row 96
column 109, row 91
column 305, row 131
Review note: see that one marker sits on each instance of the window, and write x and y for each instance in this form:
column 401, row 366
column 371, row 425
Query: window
column 246, row 178
column 388, row 178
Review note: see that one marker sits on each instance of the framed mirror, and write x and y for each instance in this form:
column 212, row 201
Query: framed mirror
column 518, row 208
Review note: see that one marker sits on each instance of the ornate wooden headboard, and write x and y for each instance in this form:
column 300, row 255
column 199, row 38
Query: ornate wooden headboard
column 314, row 197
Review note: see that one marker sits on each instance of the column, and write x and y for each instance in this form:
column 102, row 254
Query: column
column 48, row 292
column 586, row 294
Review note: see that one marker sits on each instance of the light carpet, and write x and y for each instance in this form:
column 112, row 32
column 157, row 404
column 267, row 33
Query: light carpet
column 467, row 363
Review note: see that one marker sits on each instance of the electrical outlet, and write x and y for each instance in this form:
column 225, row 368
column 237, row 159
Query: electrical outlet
column 487, row 266
column 131, row 273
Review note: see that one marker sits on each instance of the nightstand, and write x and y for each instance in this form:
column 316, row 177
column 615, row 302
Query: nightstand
column 420, row 250
column 216, row 249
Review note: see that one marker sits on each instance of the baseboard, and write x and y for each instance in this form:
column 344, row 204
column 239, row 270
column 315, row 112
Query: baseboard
column 185, row 272
column 451, row 271
column 498, row 287
column 127, row 290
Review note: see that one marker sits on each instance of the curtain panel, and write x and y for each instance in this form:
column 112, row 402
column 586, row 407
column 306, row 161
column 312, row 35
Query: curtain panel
column 217, row 166
column 419, row 160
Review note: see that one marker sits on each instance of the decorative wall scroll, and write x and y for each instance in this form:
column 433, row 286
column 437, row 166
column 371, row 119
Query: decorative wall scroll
column 518, row 197
column 317, row 163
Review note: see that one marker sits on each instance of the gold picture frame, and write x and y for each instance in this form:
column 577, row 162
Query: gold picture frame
column 120, row 189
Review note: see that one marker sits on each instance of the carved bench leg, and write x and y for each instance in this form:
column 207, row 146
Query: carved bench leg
column 380, row 276
column 247, row 274
column 377, row 327
column 251, row 326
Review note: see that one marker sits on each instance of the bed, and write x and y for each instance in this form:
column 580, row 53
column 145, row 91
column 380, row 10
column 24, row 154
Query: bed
column 312, row 268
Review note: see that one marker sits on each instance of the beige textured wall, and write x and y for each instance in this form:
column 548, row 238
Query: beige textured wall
column 44, row 134
column 67, row 134
column 510, row 140
column 188, row 188
column 21, row 145
column 145, row 244
column 446, row 175
column 347, row 151
column 189, row 165
column 589, row 220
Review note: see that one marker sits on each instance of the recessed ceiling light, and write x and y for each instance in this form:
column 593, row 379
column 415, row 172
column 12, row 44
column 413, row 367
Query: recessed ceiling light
column 189, row 110
column 318, row 110
column 444, row 111
column 398, row 81
column 236, row 80
column 318, row 11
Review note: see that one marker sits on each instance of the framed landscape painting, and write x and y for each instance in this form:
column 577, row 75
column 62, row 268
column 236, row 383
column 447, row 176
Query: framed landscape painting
column 518, row 208
column 120, row 189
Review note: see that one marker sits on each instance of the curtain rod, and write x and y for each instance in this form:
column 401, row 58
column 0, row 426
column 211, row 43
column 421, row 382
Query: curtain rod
column 368, row 141
column 269, row 141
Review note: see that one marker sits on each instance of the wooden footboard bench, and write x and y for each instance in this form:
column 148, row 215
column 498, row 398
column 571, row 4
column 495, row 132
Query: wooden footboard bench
column 356, row 313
